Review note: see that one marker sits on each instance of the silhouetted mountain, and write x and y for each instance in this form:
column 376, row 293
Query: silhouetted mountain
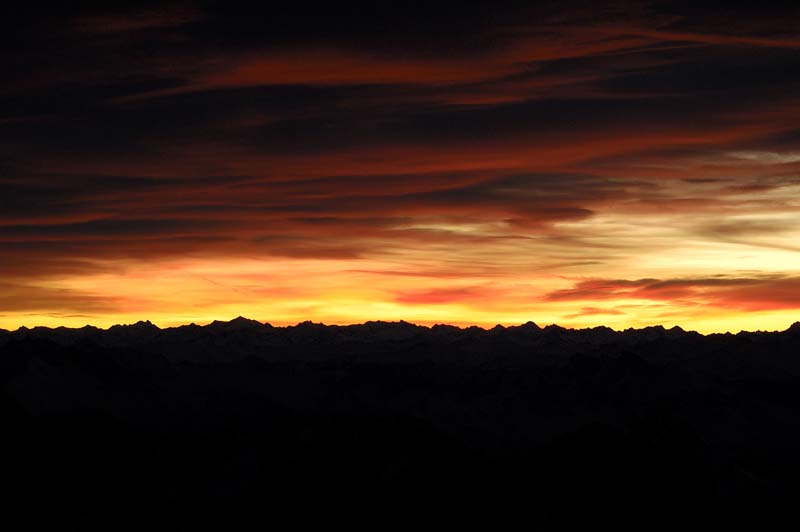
column 242, row 408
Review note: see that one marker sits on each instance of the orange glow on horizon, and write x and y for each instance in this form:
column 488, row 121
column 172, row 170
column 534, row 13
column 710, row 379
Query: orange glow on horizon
column 579, row 168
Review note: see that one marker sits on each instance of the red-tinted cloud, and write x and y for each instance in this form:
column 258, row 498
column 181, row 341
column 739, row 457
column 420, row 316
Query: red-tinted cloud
column 745, row 293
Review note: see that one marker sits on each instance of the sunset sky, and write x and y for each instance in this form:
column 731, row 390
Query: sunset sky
column 630, row 164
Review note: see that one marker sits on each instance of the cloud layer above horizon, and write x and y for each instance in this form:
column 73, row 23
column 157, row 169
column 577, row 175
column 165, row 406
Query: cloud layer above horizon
column 631, row 164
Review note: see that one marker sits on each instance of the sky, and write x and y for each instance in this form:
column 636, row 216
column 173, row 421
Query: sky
column 581, row 163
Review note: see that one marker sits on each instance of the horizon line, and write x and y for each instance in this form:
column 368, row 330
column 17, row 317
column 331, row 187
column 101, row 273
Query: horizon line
column 398, row 322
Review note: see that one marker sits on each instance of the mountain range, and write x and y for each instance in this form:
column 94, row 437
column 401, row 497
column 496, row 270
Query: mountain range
column 242, row 409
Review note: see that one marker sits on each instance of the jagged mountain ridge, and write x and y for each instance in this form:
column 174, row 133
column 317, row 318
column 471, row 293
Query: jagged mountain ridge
column 583, row 414
column 242, row 337
column 144, row 331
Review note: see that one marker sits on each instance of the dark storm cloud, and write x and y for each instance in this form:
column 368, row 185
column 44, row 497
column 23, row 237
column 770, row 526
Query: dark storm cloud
column 108, row 217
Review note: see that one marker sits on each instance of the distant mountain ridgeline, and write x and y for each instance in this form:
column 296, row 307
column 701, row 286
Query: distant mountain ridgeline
column 222, row 341
column 240, row 409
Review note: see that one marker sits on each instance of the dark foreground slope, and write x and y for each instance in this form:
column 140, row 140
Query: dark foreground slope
column 243, row 409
